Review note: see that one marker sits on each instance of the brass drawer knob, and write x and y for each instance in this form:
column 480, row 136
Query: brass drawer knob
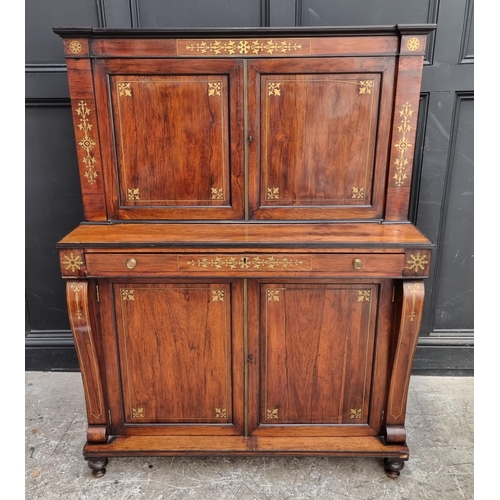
column 357, row 263
column 131, row 263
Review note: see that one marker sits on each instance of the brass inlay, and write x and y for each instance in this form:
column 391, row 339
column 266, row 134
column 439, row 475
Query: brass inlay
column 413, row 44
column 273, row 295
column 356, row 413
column 273, row 193
column 75, row 46
column 364, row 295
column 358, row 192
column 72, row 262
column 77, row 288
column 270, row 414
column 213, row 88
column 417, row 262
column 217, row 194
column 403, row 144
column 274, row 88
column 413, row 288
column 86, row 143
column 124, row 89
column 137, row 412
column 244, row 47
column 365, row 86
column 218, row 295
column 245, row 262
column 133, row 194
column 220, row 413
column 127, row 294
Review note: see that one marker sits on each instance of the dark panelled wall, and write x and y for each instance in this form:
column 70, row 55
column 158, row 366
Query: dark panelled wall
column 442, row 196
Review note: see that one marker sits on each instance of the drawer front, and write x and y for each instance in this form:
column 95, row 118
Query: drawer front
column 245, row 265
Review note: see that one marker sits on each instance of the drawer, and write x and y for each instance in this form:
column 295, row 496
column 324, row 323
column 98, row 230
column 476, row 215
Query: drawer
column 237, row 264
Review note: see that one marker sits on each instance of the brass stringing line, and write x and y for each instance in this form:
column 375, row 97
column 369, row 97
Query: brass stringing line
column 245, row 134
column 245, row 352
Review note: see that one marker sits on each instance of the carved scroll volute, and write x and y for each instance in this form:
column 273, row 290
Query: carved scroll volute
column 79, row 318
column 412, row 305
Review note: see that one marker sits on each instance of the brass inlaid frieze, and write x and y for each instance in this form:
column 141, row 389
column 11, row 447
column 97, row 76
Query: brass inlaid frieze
column 244, row 47
column 218, row 295
column 137, row 412
column 75, row 46
column 133, row 194
column 273, row 295
column 77, row 288
column 127, row 294
column 217, row 194
column 220, row 413
column 413, row 44
column 273, row 88
column 364, row 295
column 124, row 89
column 72, row 262
column 271, row 414
column 414, row 288
column 213, row 88
column 403, row 145
column 273, row 193
column 417, row 262
column 86, row 142
column 365, row 86
column 356, row 413
column 358, row 192
column 207, row 263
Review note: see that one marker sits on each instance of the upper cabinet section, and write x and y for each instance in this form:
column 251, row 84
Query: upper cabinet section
column 267, row 124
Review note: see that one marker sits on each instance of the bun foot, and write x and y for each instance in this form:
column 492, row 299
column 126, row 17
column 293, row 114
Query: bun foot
column 98, row 466
column 393, row 466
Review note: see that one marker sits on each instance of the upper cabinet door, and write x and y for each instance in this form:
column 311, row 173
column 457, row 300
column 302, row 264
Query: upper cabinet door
column 171, row 134
column 321, row 130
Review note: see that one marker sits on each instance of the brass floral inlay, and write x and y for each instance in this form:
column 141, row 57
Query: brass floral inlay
column 124, row 89
column 364, row 295
column 358, row 192
column 417, row 262
column 133, row 194
column 244, row 47
column 273, row 295
column 365, row 86
column 413, row 44
column 356, row 413
column 218, row 295
column 75, row 46
column 137, row 412
column 270, row 414
column 403, row 144
column 77, row 288
column 72, row 262
column 227, row 262
column 273, row 88
column 413, row 288
column 273, row 193
column 128, row 294
column 86, row 143
column 217, row 194
column 220, row 413
column 213, row 88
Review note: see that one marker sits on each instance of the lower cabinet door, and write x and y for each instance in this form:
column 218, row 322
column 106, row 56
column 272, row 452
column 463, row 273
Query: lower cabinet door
column 177, row 344
column 317, row 359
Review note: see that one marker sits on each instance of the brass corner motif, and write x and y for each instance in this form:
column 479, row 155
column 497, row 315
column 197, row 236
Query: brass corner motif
column 273, row 88
column 273, row 193
column 273, row 295
column 137, row 412
column 358, row 192
column 75, row 46
column 214, row 88
column 417, row 262
column 356, row 413
column 133, row 194
column 124, row 89
column 403, row 144
column 72, row 262
column 413, row 44
column 365, row 86
column 218, row 295
column 414, row 288
column 217, row 194
column 364, row 295
column 77, row 288
column 86, row 143
column 271, row 414
column 220, row 413
column 127, row 294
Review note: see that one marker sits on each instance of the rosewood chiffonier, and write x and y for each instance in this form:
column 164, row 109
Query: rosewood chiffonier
column 246, row 280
